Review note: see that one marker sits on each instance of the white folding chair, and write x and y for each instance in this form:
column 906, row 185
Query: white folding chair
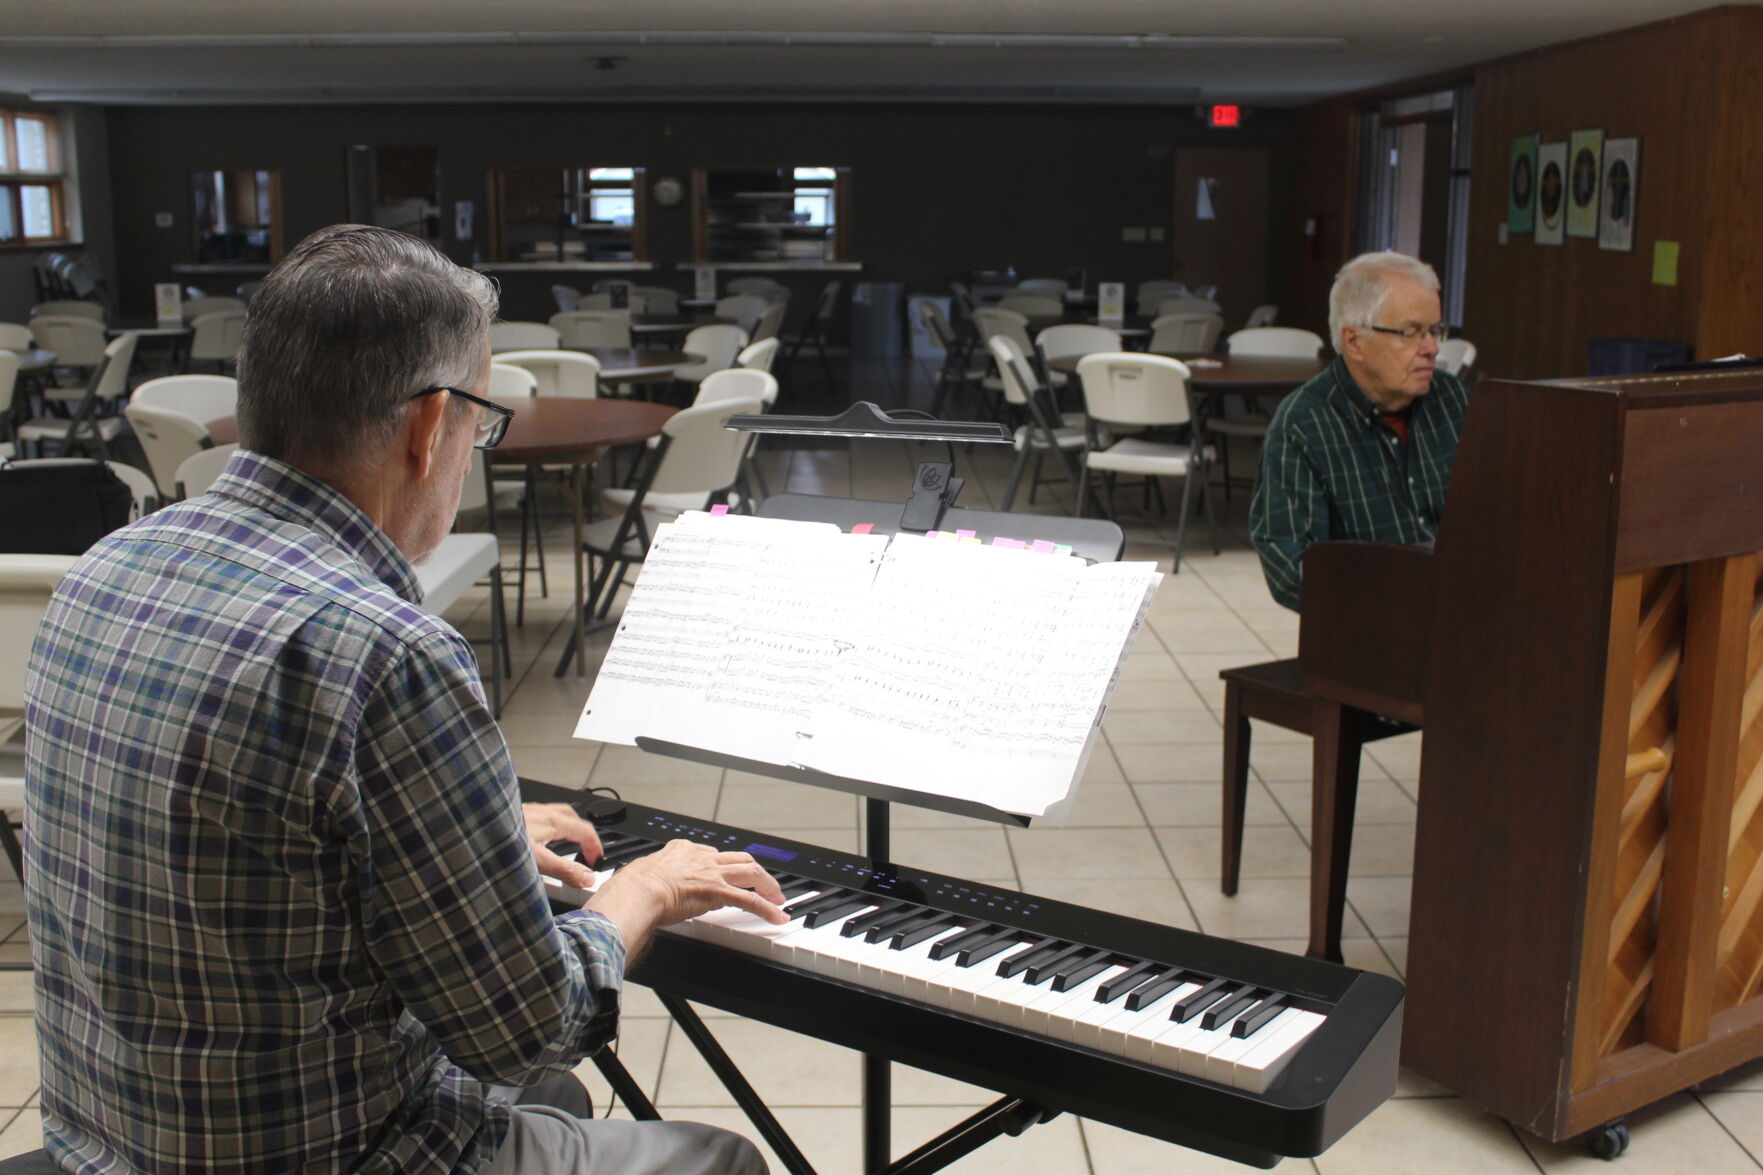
column 817, row 330
column 1033, row 305
column 1188, row 306
column 1274, row 341
column 141, row 488
column 26, row 583
column 168, row 438
column 15, row 336
column 462, row 559
column 1044, row 430
column 659, row 299
column 1186, row 334
column 771, row 320
column 78, row 342
column 718, row 342
column 93, row 424
column 1456, row 356
column 522, row 336
column 558, row 373
column 204, row 397
column 566, row 297
column 216, row 336
column 508, row 382
column 194, row 308
column 745, row 309
column 760, row 355
column 1265, row 314
column 69, row 308
column 1142, row 391
column 697, row 459
column 590, row 328
column 607, row 300
column 200, row 470
column 1069, row 339
column 1052, row 286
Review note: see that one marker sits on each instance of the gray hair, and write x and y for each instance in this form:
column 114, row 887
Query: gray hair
column 1362, row 285
column 352, row 323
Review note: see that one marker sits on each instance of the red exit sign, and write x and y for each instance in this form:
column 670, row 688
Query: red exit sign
column 1224, row 116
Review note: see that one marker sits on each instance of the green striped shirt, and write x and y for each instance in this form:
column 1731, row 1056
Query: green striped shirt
column 1332, row 468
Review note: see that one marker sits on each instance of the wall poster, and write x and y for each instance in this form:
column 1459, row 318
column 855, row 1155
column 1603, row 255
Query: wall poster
column 1551, row 192
column 1521, row 185
column 1622, row 162
column 1585, row 167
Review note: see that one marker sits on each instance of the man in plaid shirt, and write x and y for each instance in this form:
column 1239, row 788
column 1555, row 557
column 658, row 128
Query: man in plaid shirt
column 1363, row 451
column 284, row 904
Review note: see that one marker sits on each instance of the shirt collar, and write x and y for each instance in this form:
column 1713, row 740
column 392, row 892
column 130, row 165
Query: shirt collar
column 284, row 492
column 1357, row 402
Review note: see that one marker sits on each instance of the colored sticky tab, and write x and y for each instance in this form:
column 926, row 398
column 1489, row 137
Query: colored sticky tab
column 966, row 534
column 718, row 511
column 1043, row 547
column 974, row 539
column 1001, row 541
column 1665, row 263
column 1063, row 548
column 863, row 528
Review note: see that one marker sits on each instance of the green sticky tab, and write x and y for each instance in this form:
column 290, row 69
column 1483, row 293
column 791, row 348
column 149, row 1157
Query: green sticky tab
column 1665, row 263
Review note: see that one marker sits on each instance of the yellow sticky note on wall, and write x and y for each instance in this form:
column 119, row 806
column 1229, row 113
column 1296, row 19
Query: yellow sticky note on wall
column 1664, row 263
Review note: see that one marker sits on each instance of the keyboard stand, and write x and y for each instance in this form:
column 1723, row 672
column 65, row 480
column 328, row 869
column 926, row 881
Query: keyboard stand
column 931, row 507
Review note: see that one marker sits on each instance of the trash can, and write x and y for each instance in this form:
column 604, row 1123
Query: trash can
column 878, row 319
column 1634, row 356
column 923, row 345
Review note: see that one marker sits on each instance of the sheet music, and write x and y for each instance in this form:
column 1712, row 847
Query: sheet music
column 967, row 671
column 675, row 631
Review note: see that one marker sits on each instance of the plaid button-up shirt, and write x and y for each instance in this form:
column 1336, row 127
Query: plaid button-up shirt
column 1332, row 468
column 283, row 910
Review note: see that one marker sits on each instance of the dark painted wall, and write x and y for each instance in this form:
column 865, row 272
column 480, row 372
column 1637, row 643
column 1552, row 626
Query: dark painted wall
column 85, row 128
column 938, row 190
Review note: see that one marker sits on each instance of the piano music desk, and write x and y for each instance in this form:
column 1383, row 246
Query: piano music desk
column 1273, row 691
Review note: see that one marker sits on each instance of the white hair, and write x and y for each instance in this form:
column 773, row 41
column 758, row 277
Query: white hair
column 1362, row 285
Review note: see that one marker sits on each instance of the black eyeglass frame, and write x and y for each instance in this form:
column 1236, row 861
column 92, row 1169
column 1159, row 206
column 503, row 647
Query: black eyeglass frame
column 1439, row 331
column 502, row 414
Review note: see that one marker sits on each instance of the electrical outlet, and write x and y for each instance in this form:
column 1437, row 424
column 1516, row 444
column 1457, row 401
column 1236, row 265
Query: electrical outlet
column 1132, row 235
column 162, row 220
column 1157, row 232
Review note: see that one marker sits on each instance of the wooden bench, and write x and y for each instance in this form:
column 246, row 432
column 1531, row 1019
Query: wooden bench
column 1273, row 691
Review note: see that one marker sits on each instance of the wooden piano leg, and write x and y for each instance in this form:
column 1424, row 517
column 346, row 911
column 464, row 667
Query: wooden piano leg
column 1336, row 739
column 1236, row 784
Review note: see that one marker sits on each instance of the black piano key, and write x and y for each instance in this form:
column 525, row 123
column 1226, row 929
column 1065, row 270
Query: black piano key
column 1192, row 1005
column 907, row 939
column 1043, row 950
column 828, row 896
column 624, row 855
column 799, row 887
column 847, row 905
column 1150, row 993
column 979, row 936
column 905, row 920
column 1225, row 1010
column 972, row 956
column 1075, row 974
column 1047, row 968
column 1256, row 1018
column 886, row 909
column 1121, row 984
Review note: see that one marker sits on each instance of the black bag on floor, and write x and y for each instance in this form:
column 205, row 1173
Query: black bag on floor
column 59, row 508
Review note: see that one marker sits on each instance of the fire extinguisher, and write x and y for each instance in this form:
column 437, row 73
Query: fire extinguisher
column 1312, row 237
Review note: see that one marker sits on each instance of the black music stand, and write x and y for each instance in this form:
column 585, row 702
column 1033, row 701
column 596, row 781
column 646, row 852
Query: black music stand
column 931, row 506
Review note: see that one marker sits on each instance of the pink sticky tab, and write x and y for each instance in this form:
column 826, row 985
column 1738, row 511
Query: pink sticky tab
column 718, row 511
column 863, row 528
column 966, row 534
column 1016, row 544
column 1043, row 547
column 1001, row 541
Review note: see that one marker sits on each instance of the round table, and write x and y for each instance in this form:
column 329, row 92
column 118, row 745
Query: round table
column 1222, row 375
column 629, row 364
column 35, row 359
column 554, row 430
column 676, row 324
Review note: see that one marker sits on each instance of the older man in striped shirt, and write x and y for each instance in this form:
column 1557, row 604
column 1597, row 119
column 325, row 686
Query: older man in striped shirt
column 1363, row 451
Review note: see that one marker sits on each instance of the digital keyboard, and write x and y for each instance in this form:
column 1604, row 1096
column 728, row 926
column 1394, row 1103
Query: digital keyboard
column 1241, row 1051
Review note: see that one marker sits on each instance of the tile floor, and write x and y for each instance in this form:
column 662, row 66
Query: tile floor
column 1143, row 839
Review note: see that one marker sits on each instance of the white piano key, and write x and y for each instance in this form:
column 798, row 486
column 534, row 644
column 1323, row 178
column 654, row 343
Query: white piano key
column 1258, row 1068
column 1130, row 1031
column 1049, row 1014
column 1221, row 1062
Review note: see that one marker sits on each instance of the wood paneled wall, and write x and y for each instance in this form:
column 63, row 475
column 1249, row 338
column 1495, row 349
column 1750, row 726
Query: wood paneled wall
column 1324, row 166
column 1689, row 90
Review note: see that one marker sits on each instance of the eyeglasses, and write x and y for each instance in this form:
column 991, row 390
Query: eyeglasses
column 1410, row 334
column 491, row 427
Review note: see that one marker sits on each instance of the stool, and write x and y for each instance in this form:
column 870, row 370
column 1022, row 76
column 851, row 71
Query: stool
column 1273, row 691
column 30, row 1163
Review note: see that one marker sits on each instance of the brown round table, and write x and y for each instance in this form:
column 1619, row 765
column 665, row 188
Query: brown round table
column 571, row 431
column 1221, row 374
column 554, row 430
column 630, row 364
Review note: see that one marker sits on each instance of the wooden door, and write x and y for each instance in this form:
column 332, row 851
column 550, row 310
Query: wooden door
column 1220, row 238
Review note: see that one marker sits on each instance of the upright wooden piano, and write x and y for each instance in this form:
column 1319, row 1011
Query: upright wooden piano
column 1585, row 648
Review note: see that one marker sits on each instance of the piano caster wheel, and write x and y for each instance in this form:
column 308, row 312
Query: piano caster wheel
column 1609, row 1140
